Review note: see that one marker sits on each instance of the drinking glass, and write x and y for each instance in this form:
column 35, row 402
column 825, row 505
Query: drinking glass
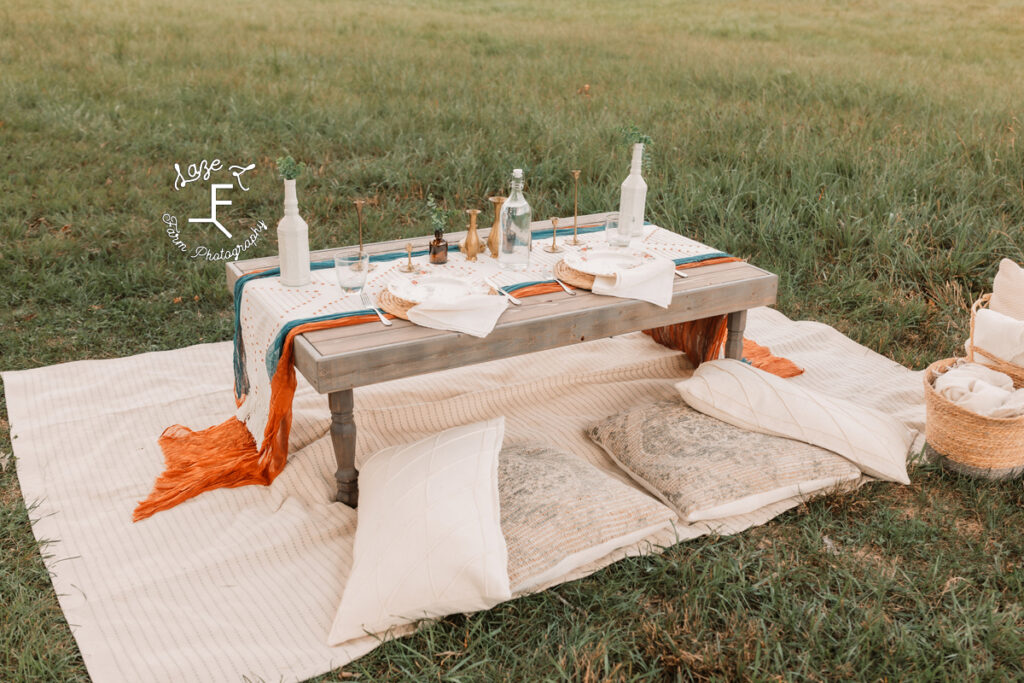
column 615, row 237
column 352, row 270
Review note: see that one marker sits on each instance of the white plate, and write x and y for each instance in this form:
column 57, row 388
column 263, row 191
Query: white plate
column 604, row 262
column 441, row 288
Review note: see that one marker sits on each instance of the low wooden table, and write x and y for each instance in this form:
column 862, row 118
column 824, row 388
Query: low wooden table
column 336, row 361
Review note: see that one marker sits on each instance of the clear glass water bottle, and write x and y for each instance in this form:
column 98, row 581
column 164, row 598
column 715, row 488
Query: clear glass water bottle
column 514, row 223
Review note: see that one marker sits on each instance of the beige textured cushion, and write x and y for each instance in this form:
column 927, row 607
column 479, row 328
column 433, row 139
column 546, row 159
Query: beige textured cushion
column 1008, row 290
column 559, row 513
column 758, row 401
column 428, row 540
column 707, row 469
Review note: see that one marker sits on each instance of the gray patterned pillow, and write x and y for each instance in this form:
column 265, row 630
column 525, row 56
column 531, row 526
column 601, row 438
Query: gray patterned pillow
column 559, row 513
column 707, row 469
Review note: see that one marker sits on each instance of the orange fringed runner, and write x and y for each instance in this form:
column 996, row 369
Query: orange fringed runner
column 225, row 455
column 702, row 340
column 761, row 357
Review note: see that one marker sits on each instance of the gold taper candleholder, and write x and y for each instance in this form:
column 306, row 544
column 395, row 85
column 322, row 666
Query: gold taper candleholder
column 359, row 214
column 553, row 248
column 408, row 267
column 575, row 241
column 471, row 246
column 492, row 239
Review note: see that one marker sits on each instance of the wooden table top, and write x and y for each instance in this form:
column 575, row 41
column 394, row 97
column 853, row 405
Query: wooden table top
column 357, row 355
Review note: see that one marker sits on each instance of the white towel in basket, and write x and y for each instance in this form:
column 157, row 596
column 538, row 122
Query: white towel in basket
column 981, row 390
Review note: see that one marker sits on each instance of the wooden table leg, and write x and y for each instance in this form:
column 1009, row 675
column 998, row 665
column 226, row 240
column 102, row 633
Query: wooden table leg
column 343, row 435
column 736, row 323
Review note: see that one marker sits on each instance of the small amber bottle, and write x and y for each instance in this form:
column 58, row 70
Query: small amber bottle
column 439, row 248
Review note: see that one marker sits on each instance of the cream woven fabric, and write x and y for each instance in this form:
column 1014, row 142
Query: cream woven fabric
column 707, row 469
column 267, row 305
column 245, row 581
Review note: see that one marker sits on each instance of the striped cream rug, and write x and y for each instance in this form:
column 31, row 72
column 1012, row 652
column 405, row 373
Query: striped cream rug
column 242, row 584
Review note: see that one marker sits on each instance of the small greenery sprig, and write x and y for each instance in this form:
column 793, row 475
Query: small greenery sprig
column 631, row 134
column 439, row 216
column 288, row 168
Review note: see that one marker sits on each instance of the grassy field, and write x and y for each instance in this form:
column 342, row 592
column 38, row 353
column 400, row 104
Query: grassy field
column 866, row 151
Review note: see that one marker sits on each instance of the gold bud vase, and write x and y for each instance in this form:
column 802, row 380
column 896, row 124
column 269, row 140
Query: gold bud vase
column 471, row 246
column 492, row 239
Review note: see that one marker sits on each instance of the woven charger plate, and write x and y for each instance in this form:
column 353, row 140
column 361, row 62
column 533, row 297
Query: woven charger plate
column 576, row 278
column 394, row 305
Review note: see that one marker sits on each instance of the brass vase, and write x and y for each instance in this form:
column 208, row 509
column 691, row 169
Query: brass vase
column 492, row 239
column 471, row 246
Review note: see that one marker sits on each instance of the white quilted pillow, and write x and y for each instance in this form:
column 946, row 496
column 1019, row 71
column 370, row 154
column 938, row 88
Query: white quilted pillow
column 1008, row 290
column 749, row 398
column 428, row 542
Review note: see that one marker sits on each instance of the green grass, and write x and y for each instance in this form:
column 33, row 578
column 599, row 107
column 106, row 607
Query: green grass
column 867, row 152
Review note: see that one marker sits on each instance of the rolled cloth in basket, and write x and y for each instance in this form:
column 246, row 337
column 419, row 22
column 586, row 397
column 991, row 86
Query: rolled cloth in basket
column 999, row 335
column 1008, row 290
column 981, row 390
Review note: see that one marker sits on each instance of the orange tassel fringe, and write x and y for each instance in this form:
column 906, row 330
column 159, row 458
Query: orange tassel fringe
column 702, row 340
column 761, row 357
column 226, row 455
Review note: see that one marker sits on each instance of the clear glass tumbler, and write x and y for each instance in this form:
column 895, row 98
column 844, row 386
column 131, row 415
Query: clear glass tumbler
column 615, row 237
column 352, row 270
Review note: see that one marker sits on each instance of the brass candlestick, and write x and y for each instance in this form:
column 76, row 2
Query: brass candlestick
column 471, row 246
column 408, row 267
column 359, row 214
column 492, row 239
column 553, row 248
column 575, row 208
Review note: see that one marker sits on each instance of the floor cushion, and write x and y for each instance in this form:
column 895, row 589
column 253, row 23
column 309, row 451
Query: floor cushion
column 428, row 540
column 707, row 469
column 559, row 512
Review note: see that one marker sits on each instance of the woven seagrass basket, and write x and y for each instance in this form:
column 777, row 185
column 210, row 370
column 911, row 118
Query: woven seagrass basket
column 988, row 447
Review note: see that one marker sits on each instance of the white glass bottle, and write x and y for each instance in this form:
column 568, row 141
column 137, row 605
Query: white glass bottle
column 633, row 197
column 515, row 238
column 293, row 241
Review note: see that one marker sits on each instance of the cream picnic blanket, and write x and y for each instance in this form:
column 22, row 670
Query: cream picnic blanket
column 244, row 582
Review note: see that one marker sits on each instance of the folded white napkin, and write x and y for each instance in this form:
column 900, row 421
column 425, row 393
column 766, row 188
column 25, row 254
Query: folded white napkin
column 981, row 390
column 476, row 314
column 1000, row 335
column 1008, row 290
column 651, row 282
